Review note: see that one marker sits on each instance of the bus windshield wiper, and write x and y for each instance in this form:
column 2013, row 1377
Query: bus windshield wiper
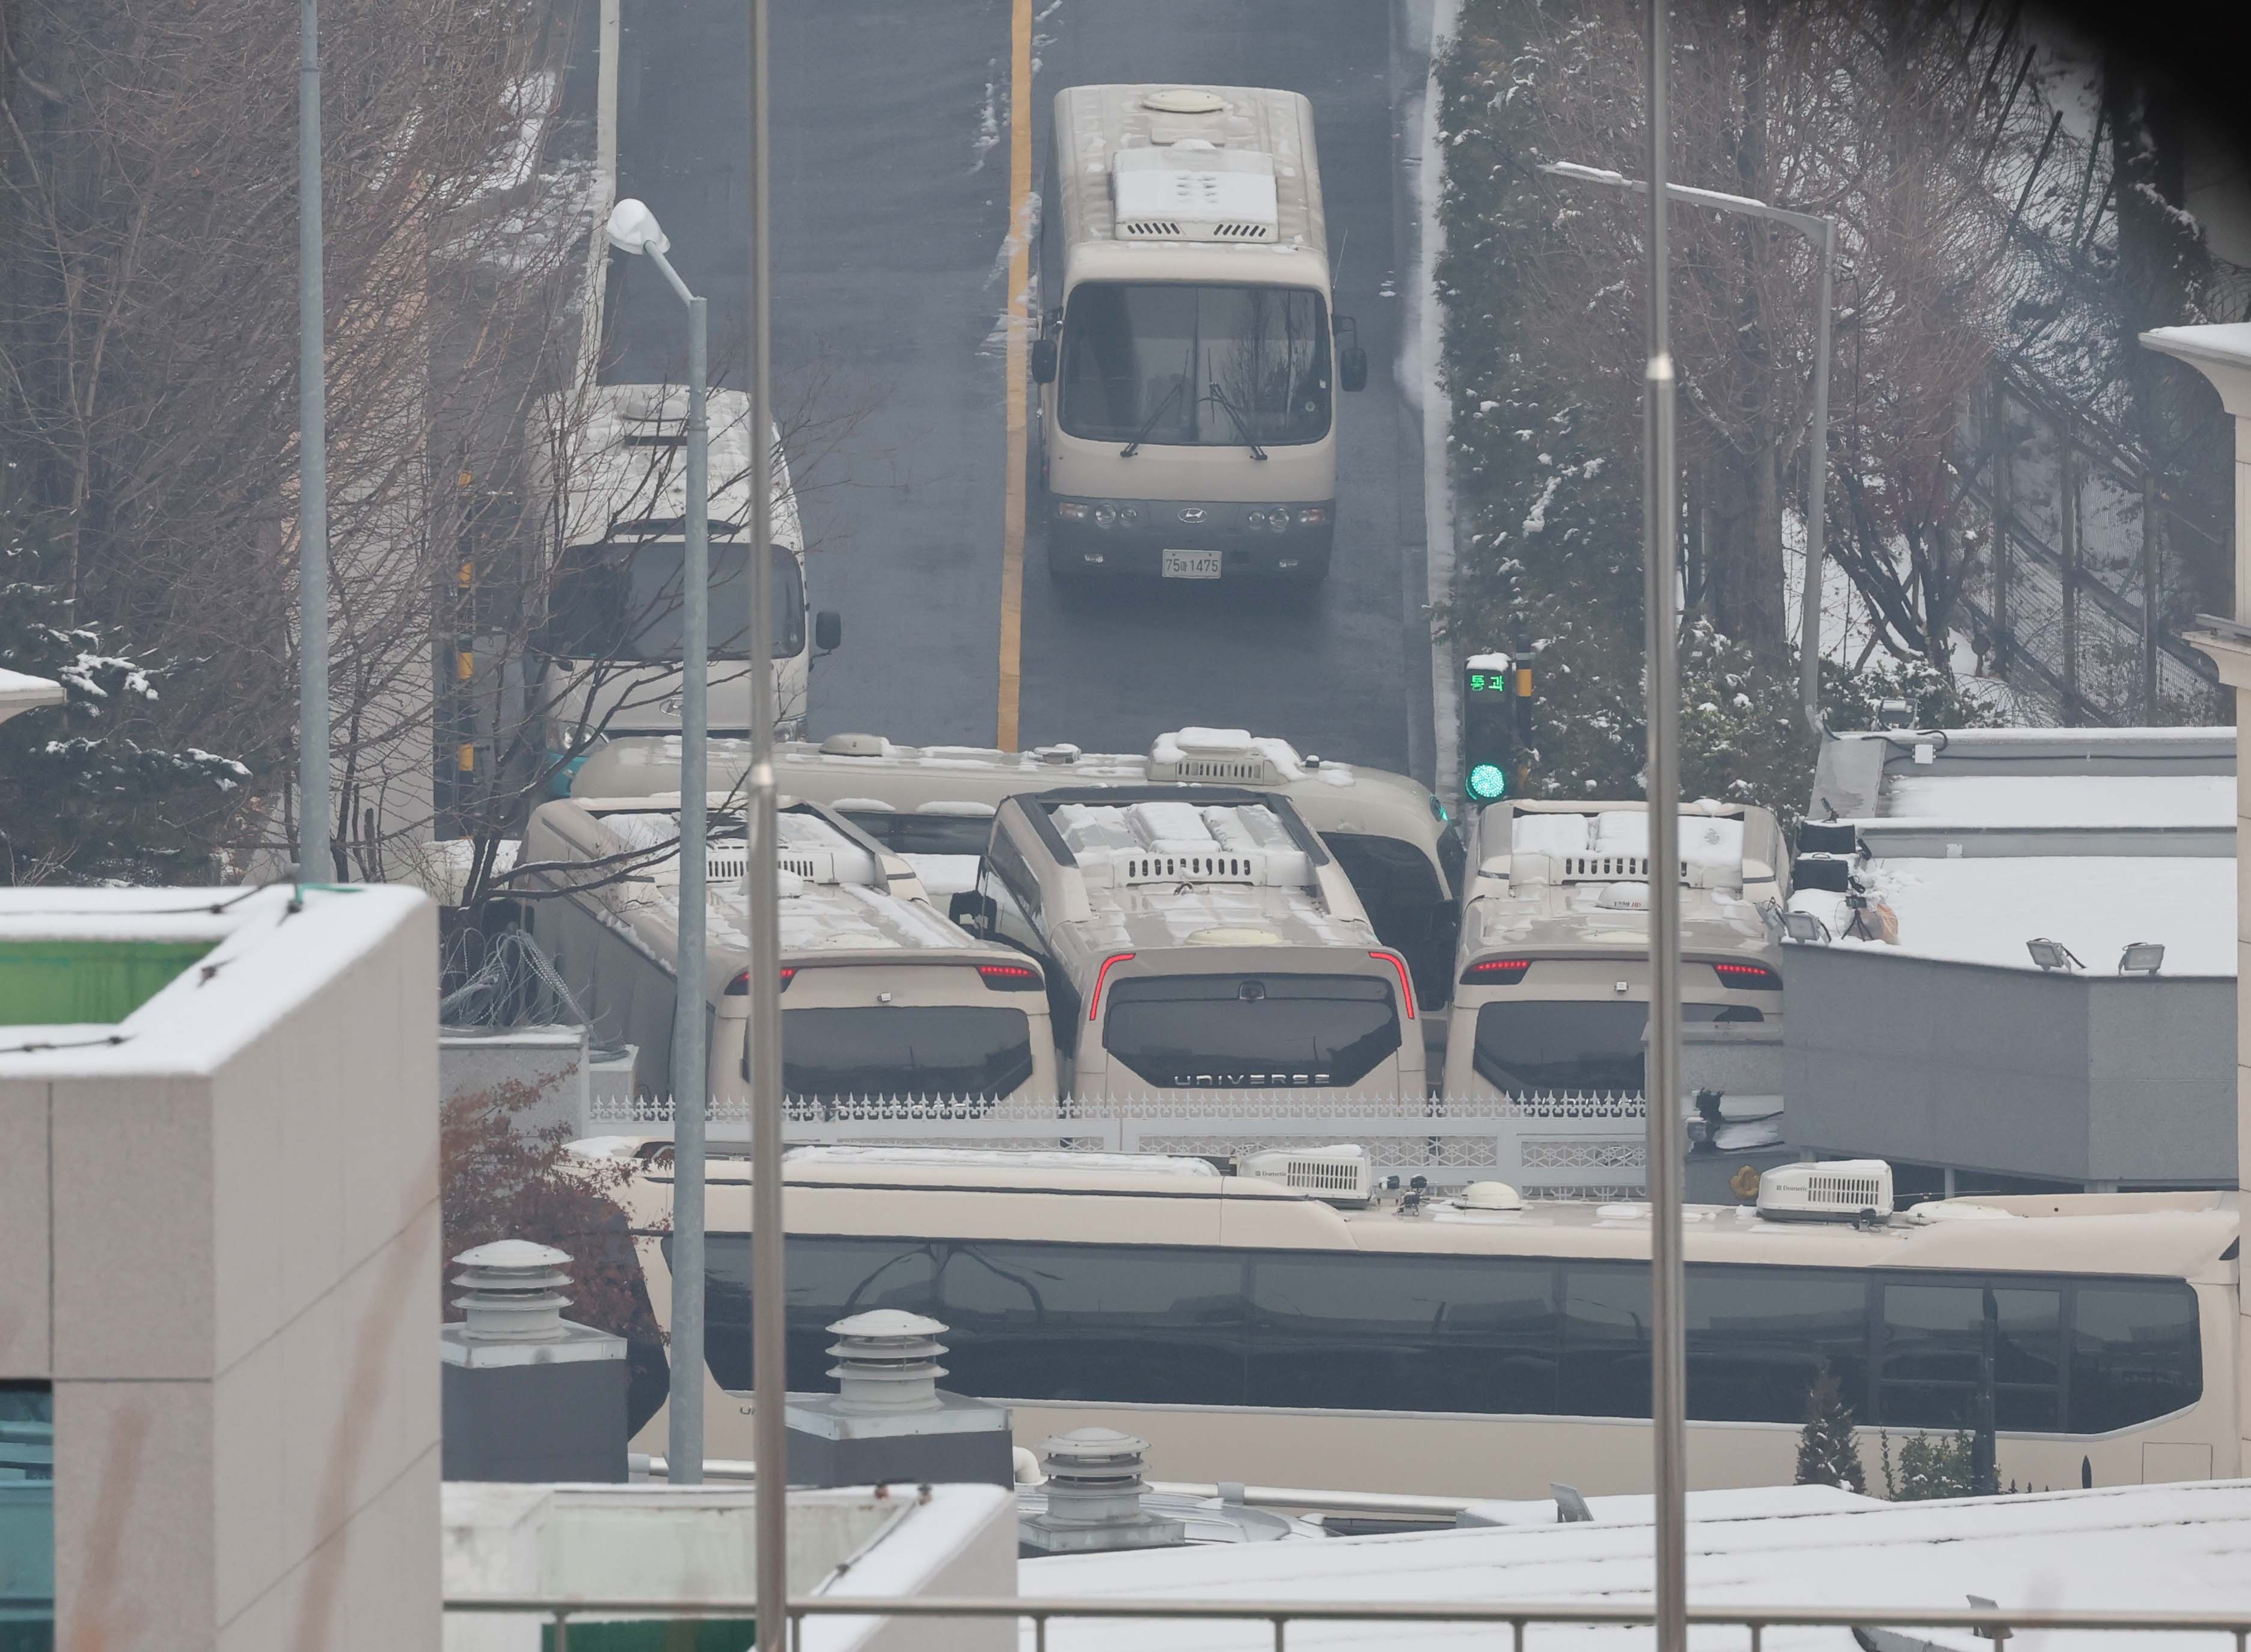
column 1150, row 424
column 1242, row 428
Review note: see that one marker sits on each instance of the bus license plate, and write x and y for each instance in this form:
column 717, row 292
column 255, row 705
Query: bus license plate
column 1192, row 564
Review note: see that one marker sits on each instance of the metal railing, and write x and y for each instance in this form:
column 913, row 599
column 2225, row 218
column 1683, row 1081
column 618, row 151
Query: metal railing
column 1994, row 1623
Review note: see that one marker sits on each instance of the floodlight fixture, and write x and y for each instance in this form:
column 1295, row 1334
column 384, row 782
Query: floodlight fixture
column 1804, row 926
column 2142, row 957
column 1894, row 713
column 2052, row 954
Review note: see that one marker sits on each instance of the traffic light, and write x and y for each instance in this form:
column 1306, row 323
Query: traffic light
column 1493, row 688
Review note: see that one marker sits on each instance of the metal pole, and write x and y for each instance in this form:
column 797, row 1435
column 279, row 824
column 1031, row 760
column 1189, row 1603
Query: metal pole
column 1817, row 490
column 314, row 859
column 769, row 1377
column 1659, row 597
column 691, row 1088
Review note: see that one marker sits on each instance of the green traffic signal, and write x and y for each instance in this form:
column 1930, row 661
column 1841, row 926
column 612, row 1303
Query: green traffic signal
column 1487, row 782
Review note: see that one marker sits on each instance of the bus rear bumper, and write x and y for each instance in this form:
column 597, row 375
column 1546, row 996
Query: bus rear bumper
column 1099, row 538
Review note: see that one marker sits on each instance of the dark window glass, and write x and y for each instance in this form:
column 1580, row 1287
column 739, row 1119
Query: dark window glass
column 1404, row 1333
column 1937, row 1339
column 1194, row 366
column 1758, row 1338
column 2134, row 1353
column 972, row 1052
column 1605, row 1364
column 829, row 1278
column 27, row 1517
column 1453, row 855
column 620, row 601
column 923, row 833
column 1405, row 901
column 1526, row 1047
column 1129, row 1324
column 1251, row 1031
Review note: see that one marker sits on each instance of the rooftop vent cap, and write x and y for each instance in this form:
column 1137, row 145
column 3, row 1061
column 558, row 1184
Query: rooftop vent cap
column 1094, row 1476
column 856, row 745
column 1490, row 1196
column 1057, row 754
column 886, row 1362
column 1180, row 100
column 1838, row 1190
column 508, row 1292
column 1339, row 1174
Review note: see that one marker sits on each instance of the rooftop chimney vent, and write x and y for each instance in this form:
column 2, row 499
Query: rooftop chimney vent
column 508, row 1292
column 886, row 1363
column 1094, row 1489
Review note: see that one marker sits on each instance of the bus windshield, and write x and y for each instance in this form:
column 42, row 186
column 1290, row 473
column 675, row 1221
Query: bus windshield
column 620, row 600
column 1530, row 1046
column 1194, row 366
column 967, row 1052
column 1229, row 1032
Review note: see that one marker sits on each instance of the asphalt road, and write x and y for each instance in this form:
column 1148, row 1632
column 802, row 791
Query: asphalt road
column 890, row 215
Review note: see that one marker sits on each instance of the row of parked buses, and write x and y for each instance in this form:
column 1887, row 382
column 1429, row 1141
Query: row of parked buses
column 1219, row 913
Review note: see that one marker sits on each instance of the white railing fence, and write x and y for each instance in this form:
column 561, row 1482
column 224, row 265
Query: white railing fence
column 1572, row 1144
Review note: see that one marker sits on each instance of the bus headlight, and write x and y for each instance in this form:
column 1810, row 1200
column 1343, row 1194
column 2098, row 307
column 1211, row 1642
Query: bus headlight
column 1105, row 516
column 1277, row 520
column 1312, row 515
column 1070, row 510
column 1127, row 515
column 1254, row 518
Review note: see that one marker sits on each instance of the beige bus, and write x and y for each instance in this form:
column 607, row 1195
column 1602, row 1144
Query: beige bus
column 1552, row 992
column 933, row 805
column 1479, row 1348
column 882, row 996
column 1196, row 939
column 1188, row 369
column 613, row 481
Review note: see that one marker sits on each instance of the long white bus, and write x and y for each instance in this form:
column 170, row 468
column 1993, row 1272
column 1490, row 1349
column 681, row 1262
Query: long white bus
column 882, row 996
column 1188, row 371
column 1474, row 1349
column 614, row 478
column 933, row 805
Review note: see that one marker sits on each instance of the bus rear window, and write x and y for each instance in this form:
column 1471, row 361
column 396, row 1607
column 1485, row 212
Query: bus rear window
column 1244, row 1032
column 965, row 1052
column 1529, row 1046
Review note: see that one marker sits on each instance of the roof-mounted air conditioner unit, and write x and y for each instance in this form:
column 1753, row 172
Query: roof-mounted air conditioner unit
column 1229, row 756
column 1338, row 1175
column 1839, row 1190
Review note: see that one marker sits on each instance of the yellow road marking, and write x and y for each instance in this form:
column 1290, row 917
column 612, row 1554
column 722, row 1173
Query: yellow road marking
column 1020, row 272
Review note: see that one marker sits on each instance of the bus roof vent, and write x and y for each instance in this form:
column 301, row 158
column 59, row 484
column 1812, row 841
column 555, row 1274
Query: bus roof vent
column 1194, row 192
column 1337, row 1175
column 1184, row 99
column 856, row 745
column 1838, row 1190
column 1233, row 756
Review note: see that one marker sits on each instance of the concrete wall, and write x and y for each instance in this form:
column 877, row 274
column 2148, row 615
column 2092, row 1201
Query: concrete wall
column 223, row 1236
column 2086, row 1078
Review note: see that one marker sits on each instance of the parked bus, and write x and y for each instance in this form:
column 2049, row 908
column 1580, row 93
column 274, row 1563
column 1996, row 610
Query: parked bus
column 1551, row 994
column 1192, row 939
column 1479, row 1348
column 934, row 805
column 882, row 995
column 607, row 656
column 1187, row 413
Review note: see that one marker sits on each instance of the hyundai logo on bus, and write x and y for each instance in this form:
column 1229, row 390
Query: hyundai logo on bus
column 1193, row 514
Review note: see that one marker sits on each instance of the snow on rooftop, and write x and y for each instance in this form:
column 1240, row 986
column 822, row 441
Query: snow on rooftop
column 2152, row 1548
column 2061, row 800
column 1982, row 911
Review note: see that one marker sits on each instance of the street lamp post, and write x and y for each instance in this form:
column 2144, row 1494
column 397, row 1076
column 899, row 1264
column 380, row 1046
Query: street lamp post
column 633, row 228
column 315, row 860
column 1822, row 232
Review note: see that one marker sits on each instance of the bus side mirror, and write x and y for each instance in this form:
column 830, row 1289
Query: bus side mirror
column 972, row 911
column 1352, row 368
column 1043, row 359
column 828, row 631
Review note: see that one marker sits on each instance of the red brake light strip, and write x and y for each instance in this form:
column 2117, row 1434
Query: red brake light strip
column 1102, row 975
column 1406, row 987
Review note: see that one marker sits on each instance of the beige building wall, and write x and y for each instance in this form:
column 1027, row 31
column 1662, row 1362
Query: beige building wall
column 223, row 1239
column 2223, row 355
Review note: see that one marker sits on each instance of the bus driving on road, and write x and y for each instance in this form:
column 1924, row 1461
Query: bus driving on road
column 1188, row 370
column 608, row 653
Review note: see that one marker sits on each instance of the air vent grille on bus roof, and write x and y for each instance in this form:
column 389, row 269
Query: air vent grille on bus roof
column 1841, row 1190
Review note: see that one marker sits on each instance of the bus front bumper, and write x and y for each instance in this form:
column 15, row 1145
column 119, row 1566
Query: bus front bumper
column 1131, row 537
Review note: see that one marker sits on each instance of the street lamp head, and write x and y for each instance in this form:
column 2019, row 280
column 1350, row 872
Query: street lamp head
column 633, row 228
column 1590, row 173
